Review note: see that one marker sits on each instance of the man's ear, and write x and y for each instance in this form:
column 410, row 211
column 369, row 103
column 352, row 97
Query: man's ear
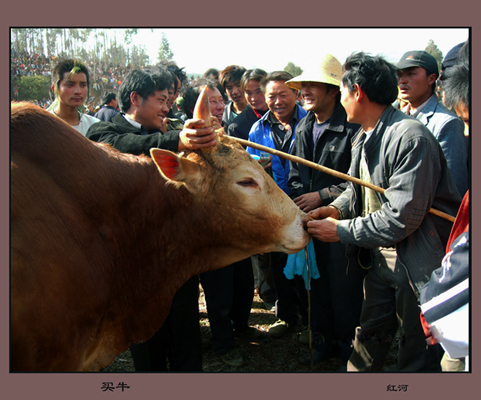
column 135, row 99
column 432, row 79
column 358, row 93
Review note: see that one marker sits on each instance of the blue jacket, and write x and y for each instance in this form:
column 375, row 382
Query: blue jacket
column 448, row 129
column 261, row 133
column 404, row 158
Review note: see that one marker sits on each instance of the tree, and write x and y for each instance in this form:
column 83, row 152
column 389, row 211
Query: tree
column 432, row 49
column 165, row 53
column 293, row 69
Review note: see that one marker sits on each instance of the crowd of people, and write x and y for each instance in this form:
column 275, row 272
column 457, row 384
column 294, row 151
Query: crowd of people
column 401, row 128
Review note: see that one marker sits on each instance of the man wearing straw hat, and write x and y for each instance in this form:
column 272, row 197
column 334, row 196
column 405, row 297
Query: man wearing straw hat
column 398, row 154
column 324, row 136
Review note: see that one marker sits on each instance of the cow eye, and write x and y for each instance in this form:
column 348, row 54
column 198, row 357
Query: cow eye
column 247, row 182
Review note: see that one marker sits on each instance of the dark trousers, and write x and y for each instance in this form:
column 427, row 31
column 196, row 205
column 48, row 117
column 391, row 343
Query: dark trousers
column 229, row 293
column 390, row 303
column 178, row 340
column 336, row 297
column 291, row 293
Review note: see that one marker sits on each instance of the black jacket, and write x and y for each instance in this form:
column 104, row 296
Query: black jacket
column 242, row 124
column 125, row 137
column 332, row 150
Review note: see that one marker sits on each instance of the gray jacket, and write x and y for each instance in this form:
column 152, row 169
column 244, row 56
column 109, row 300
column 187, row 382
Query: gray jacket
column 448, row 129
column 405, row 159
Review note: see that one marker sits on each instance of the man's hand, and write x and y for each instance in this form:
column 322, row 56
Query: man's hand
column 324, row 230
column 324, row 225
column 324, row 212
column 308, row 201
column 192, row 137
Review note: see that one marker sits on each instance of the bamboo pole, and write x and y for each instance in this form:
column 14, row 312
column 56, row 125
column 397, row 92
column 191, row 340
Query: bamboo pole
column 326, row 170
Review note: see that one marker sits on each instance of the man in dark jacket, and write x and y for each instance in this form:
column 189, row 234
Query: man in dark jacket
column 109, row 107
column 324, row 137
column 256, row 104
column 143, row 98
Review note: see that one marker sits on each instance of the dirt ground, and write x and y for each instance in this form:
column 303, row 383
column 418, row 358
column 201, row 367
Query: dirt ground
column 262, row 354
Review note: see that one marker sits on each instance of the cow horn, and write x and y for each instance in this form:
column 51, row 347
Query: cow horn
column 202, row 108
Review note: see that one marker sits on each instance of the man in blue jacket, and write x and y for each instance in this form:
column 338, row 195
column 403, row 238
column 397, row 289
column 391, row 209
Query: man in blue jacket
column 397, row 153
column 324, row 136
column 418, row 71
column 276, row 130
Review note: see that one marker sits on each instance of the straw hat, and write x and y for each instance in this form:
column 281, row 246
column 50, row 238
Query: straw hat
column 329, row 71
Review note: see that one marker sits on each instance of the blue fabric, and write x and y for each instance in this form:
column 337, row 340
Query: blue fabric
column 261, row 133
column 297, row 265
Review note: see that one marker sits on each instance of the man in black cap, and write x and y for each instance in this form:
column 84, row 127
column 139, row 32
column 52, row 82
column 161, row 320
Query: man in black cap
column 109, row 107
column 418, row 71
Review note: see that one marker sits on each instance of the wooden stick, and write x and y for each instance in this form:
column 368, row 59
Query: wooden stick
column 326, row 170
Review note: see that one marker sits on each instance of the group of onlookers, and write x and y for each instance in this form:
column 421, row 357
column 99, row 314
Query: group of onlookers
column 372, row 251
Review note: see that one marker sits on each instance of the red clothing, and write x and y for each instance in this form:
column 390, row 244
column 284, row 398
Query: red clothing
column 461, row 224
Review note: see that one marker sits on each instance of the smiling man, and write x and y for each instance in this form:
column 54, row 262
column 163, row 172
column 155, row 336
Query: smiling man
column 418, row 71
column 70, row 83
column 324, row 136
column 143, row 99
column 276, row 130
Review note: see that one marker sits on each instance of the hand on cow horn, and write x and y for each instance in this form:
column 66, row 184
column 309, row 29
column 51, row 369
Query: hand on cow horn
column 196, row 135
column 202, row 133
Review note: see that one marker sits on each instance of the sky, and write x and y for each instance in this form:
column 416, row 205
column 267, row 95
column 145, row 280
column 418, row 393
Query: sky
column 272, row 48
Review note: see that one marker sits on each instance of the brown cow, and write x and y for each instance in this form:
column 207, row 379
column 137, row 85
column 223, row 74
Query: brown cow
column 100, row 243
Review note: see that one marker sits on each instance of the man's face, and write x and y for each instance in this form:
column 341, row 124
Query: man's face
column 152, row 111
column 349, row 103
column 281, row 100
column 216, row 102
column 314, row 95
column 255, row 96
column 415, row 85
column 177, row 92
column 73, row 89
column 235, row 92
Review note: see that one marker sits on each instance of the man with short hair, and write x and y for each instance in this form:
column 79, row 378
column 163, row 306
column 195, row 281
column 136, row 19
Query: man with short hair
column 324, row 136
column 276, row 129
column 109, row 107
column 230, row 78
column 70, row 83
column 143, row 97
column 418, row 71
column 250, row 84
column 397, row 153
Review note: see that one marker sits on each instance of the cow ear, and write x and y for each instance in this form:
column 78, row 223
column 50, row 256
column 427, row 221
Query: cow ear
column 176, row 169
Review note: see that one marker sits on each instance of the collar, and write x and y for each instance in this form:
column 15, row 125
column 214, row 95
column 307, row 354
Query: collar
column 141, row 128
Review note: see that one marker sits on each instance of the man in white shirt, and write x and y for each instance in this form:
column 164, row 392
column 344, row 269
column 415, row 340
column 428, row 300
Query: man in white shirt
column 70, row 83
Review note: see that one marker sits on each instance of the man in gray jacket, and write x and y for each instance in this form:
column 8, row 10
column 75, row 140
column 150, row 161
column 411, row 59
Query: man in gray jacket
column 418, row 71
column 406, row 242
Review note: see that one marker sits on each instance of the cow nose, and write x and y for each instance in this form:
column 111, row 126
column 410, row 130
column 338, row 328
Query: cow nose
column 305, row 219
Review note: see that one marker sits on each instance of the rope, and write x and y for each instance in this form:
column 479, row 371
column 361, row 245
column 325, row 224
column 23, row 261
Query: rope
column 329, row 171
column 309, row 308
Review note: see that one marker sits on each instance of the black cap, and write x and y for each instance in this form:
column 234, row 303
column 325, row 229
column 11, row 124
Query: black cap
column 419, row 58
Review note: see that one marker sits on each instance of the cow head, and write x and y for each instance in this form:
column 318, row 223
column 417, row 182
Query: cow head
column 228, row 176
